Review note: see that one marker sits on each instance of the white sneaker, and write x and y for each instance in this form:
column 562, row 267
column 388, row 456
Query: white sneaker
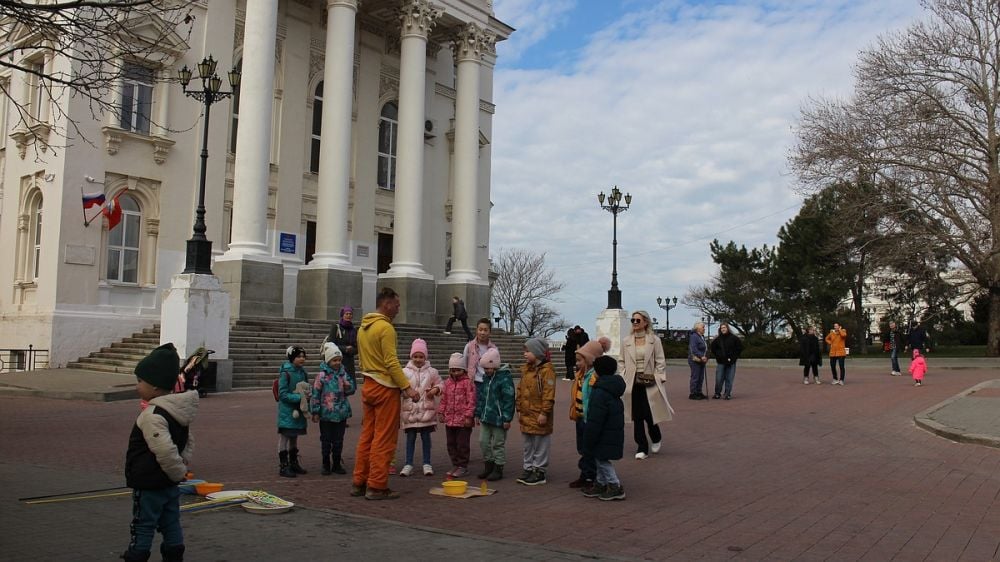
column 459, row 472
column 428, row 470
column 819, row 381
column 448, row 333
column 805, row 381
column 841, row 382
column 641, row 456
column 407, row 470
column 655, row 447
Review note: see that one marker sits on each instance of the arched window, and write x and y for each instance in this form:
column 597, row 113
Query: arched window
column 123, row 243
column 236, row 114
column 387, row 125
column 317, row 128
column 36, row 253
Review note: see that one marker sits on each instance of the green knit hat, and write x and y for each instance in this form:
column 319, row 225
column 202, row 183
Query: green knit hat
column 160, row 367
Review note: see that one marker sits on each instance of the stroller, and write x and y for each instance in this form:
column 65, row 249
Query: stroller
column 195, row 371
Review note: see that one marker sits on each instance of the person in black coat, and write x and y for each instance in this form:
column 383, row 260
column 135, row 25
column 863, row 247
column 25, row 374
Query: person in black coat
column 810, row 355
column 604, row 433
column 726, row 348
column 918, row 338
column 459, row 313
column 345, row 336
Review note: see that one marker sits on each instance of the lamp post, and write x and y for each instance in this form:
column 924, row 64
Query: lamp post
column 708, row 325
column 666, row 305
column 199, row 248
column 614, row 207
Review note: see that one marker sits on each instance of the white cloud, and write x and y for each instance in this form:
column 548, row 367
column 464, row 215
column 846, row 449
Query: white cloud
column 689, row 107
column 533, row 19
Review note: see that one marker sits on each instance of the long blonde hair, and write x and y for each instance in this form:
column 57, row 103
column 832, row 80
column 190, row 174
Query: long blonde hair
column 645, row 315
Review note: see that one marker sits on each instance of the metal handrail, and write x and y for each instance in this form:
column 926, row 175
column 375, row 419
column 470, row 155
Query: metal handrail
column 23, row 359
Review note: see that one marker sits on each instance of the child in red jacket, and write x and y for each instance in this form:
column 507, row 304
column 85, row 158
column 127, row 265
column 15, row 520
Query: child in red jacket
column 458, row 407
column 918, row 368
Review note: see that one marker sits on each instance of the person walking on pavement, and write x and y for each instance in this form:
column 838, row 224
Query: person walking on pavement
column 726, row 348
column 918, row 368
column 380, row 400
column 894, row 343
column 837, row 340
column 810, row 355
column 918, row 338
column 476, row 349
column 459, row 313
column 697, row 360
column 644, row 368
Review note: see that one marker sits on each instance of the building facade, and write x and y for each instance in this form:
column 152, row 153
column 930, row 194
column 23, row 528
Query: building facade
column 355, row 155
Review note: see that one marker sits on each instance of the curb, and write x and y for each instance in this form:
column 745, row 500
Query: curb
column 92, row 396
column 925, row 420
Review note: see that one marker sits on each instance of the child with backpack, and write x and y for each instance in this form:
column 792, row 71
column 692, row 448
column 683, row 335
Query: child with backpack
column 291, row 413
column 330, row 408
column 419, row 417
column 604, row 433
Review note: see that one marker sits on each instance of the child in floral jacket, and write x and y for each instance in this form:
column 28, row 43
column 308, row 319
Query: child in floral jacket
column 457, row 410
column 329, row 406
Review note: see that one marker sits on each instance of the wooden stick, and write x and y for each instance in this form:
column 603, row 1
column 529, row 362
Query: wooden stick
column 55, row 500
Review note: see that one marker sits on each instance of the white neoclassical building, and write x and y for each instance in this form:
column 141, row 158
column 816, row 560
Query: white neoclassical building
column 357, row 154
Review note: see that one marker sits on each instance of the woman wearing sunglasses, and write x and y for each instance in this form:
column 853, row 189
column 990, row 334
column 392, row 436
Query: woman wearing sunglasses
column 643, row 366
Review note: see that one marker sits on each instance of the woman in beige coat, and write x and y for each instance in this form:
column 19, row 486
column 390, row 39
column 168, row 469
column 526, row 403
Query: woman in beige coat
column 645, row 406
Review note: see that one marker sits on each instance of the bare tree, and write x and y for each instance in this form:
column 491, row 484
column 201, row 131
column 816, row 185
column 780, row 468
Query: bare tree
column 542, row 320
column 924, row 121
column 76, row 49
column 523, row 281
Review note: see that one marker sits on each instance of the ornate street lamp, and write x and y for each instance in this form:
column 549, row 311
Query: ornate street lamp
column 199, row 248
column 666, row 305
column 614, row 207
column 707, row 320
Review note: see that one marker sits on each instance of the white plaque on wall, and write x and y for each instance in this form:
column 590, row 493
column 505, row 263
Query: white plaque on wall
column 80, row 255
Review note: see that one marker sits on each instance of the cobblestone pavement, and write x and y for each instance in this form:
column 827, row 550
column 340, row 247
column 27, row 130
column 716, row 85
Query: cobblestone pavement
column 783, row 471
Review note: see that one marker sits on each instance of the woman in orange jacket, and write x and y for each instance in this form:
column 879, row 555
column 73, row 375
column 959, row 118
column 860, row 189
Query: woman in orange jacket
column 837, row 340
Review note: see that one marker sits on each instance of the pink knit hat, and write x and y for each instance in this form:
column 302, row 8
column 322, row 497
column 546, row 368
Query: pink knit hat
column 418, row 346
column 457, row 361
column 594, row 349
column 490, row 359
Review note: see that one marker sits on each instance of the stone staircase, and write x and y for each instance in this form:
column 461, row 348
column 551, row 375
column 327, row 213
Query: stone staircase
column 257, row 348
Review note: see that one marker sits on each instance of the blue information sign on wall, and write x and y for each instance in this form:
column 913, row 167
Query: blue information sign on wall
column 286, row 243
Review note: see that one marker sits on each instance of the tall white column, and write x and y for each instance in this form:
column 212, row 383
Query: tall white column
column 253, row 139
column 469, row 46
column 335, row 148
column 418, row 18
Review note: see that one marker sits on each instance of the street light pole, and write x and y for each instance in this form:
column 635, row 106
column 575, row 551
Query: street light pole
column 666, row 305
column 614, row 207
column 707, row 320
column 199, row 247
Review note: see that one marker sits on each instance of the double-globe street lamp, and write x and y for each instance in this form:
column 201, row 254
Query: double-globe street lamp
column 199, row 247
column 614, row 207
column 666, row 305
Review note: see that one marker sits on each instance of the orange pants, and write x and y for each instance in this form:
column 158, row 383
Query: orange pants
column 379, row 432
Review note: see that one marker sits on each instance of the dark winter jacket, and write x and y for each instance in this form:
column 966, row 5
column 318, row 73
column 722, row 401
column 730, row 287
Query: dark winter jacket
column 458, row 310
column 344, row 335
column 495, row 398
column 809, row 350
column 917, row 338
column 604, row 433
column 161, row 444
column 726, row 348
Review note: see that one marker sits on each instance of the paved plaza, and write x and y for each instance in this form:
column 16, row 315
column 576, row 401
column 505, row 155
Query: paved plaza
column 783, row 471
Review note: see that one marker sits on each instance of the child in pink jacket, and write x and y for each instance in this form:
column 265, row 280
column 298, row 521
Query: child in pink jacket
column 419, row 417
column 457, row 410
column 918, row 368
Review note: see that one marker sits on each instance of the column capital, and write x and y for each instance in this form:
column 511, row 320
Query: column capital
column 418, row 17
column 472, row 42
column 352, row 4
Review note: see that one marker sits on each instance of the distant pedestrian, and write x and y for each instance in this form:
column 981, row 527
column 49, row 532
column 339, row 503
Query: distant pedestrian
column 330, row 407
column 604, row 435
column 495, row 399
column 420, row 417
column 159, row 448
column 644, row 368
column 458, row 409
column 810, row 355
column 583, row 384
column 917, row 338
column 837, row 340
column 894, row 344
column 536, row 399
column 726, row 348
column 697, row 360
column 575, row 338
column 918, row 368
column 292, row 421
column 459, row 313
column 476, row 348
column 345, row 336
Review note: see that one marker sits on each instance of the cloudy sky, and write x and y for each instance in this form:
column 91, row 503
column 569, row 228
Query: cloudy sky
column 686, row 104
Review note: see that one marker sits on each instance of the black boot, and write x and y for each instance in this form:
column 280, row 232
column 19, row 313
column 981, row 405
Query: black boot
column 172, row 553
column 497, row 473
column 487, row 470
column 135, row 556
column 293, row 462
column 286, row 470
column 326, row 466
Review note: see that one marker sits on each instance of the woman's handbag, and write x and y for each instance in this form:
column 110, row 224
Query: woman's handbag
column 645, row 379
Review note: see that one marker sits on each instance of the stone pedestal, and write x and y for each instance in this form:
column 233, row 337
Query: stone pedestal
column 416, row 297
column 321, row 293
column 255, row 286
column 613, row 323
column 475, row 295
column 195, row 313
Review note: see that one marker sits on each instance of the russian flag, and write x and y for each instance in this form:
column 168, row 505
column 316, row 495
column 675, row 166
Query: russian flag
column 93, row 200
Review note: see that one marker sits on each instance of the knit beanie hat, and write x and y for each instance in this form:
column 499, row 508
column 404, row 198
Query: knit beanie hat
column 605, row 365
column 456, row 361
column 538, row 347
column 594, row 349
column 418, row 346
column 160, row 367
column 294, row 351
column 330, row 350
column 490, row 359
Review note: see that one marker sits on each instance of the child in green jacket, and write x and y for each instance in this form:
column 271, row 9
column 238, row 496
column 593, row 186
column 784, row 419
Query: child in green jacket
column 494, row 412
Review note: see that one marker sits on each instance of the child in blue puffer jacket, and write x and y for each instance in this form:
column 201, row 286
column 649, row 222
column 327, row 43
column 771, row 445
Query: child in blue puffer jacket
column 329, row 406
column 291, row 420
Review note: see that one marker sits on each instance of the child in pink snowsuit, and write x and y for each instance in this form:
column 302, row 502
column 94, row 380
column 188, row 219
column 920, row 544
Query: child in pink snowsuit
column 918, row 367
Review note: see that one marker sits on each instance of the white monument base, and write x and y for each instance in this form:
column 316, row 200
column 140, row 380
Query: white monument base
column 613, row 323
column 195, row 313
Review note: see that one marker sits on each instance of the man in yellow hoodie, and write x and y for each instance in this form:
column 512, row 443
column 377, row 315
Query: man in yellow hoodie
column 380, row 401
